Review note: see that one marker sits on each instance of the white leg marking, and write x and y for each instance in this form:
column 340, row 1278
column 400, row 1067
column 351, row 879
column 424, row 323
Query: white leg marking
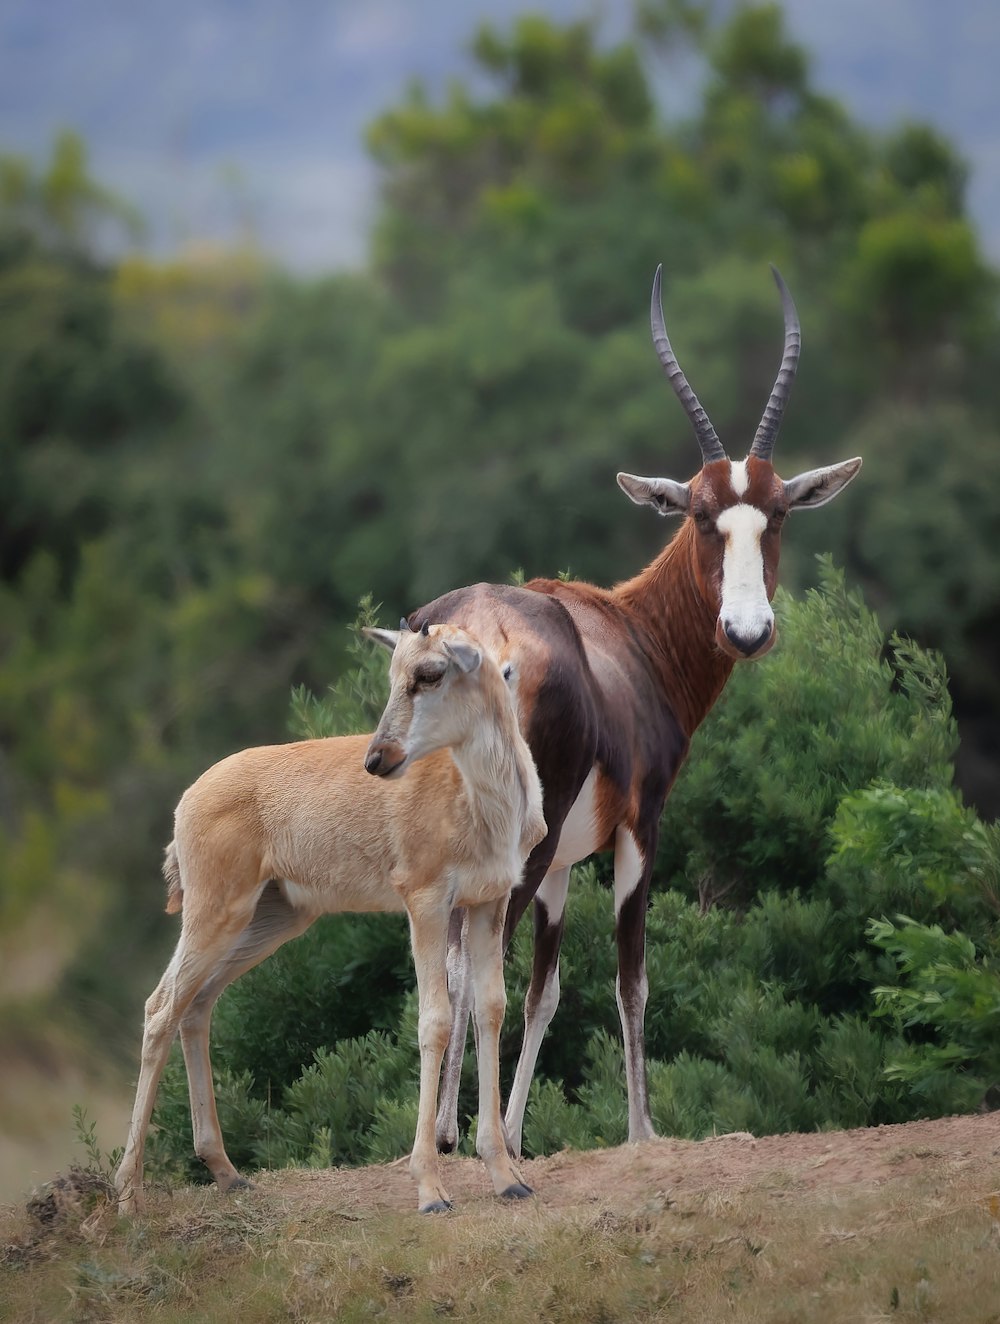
column 578, row 837
column 628, row 867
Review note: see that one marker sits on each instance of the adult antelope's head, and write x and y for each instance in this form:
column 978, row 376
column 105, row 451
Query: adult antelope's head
column 736, row 508
column 434, row 673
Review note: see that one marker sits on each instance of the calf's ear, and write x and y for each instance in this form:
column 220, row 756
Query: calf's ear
column 464, row 656
column 387, row 638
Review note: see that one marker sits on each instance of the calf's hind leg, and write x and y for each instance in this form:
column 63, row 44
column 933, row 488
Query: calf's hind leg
column 274, row 922
column 204, row 942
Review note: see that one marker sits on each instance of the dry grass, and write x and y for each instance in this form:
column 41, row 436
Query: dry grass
column 925, row 1248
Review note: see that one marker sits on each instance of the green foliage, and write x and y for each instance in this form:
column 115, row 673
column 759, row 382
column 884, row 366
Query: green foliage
column 86, row 1135
column 320, row 975
column 356, row 699
column 950, row 992
column 790, row 738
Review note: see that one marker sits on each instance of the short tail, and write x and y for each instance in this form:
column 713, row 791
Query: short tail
column 172, row 873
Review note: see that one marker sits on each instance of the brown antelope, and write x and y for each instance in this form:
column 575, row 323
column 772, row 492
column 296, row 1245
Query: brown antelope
column 271, row 838
column 613, row 684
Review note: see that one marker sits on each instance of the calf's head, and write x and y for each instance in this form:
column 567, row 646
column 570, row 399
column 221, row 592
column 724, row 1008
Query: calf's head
column 432, row 704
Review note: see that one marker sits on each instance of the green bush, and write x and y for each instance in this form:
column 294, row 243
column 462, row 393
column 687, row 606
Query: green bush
column 817, row 796
column 949, row 995
column 834, row 707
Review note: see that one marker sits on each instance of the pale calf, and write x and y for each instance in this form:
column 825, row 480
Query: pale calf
column 271, row 838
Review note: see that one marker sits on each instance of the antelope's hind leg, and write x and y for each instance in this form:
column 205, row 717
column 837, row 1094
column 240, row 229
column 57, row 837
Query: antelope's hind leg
column 632, row 875
column 542, row 997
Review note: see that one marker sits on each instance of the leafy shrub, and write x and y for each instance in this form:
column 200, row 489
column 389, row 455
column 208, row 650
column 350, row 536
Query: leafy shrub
column 834, row 707
column 817, row 795
column 952, row 992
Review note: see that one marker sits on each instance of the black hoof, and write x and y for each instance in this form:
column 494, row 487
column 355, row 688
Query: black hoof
column 239, row 1184
column 446, row 1146
column 436, row 1207
column 517, row 1191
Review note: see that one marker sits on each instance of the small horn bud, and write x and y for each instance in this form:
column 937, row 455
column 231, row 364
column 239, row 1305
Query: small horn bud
column 404, row 624
column 425, row 629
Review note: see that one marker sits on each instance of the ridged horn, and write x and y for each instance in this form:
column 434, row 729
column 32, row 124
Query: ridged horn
column 763, row 442
column 708, row 439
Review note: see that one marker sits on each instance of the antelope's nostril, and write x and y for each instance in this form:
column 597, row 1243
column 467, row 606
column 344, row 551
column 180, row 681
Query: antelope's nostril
column 373, row 761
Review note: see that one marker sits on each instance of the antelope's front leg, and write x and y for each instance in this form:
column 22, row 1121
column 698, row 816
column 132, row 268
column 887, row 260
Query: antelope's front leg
column 429, row 939
column 484, row 938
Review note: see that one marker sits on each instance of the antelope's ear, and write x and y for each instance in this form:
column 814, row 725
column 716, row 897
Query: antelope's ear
column 818, row 486
column 387, row 638
column 464, row 656
column 663, row 494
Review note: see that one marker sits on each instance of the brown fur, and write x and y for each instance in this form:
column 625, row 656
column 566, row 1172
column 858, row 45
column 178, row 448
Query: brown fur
column 615, row 682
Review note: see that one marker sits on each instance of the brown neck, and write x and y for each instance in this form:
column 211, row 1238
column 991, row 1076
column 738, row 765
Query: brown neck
column 668, row 609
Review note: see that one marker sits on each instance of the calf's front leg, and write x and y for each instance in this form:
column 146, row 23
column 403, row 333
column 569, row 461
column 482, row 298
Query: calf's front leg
column 429, row 940
column 484, row 940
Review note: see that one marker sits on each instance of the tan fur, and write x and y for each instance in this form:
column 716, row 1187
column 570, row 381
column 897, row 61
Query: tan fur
column 270, row 838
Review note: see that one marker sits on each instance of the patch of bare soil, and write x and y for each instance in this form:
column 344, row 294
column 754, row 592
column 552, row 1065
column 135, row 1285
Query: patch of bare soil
column 630, row 1175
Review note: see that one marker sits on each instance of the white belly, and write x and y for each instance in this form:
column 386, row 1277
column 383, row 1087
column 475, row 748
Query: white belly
column 350, row 895
column 579, row 835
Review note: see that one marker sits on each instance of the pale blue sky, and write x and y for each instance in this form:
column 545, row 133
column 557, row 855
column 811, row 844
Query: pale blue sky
column 200, row 108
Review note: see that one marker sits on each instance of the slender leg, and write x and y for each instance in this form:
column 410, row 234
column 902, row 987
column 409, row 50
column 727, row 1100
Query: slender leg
column 429, row 939
column 631, row 987
column 203, row 943
column 484, row 939
column 274, row 923
column 460, row 991
column 542, row 997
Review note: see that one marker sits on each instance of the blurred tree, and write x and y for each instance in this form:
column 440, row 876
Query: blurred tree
column 206, row 463
column 898, row 304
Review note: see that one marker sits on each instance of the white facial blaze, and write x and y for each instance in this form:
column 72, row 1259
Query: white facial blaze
column 739, row 477
column 746, row 613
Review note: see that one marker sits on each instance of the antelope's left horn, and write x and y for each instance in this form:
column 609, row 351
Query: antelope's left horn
column 763, row 442
column 708, row 439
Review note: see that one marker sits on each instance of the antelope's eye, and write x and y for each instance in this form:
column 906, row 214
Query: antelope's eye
column 425, row 680
column 779, row 513
column 703, row 519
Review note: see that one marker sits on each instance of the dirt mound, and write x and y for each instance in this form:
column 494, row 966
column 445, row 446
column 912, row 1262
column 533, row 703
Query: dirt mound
column 631, row 1176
